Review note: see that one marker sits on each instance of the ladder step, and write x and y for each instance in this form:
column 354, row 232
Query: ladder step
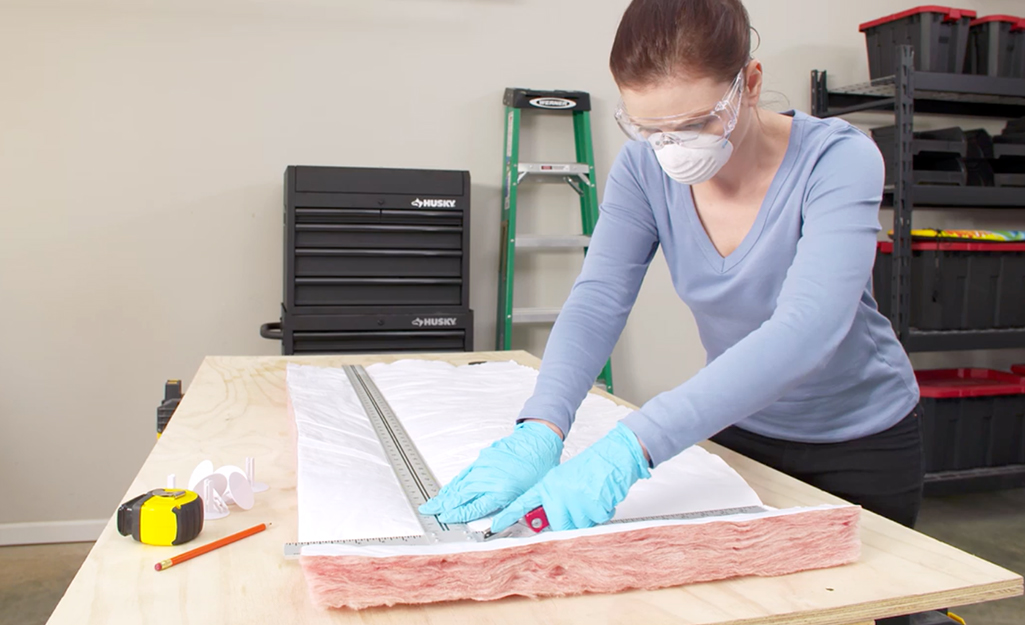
column 541, row 242
column 534, row 315
column 554, row 169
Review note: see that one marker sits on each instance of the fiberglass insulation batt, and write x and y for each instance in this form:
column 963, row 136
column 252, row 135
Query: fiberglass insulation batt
column 347, row 490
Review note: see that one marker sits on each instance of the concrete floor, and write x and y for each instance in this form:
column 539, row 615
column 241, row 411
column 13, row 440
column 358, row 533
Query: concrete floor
column 990, row 525
column 33, row 579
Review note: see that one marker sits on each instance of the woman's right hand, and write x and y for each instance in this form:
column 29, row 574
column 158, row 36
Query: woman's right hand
column 499, row 475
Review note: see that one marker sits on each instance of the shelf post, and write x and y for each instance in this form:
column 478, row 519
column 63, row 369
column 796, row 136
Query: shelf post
column 819, row 103
column 903, row 202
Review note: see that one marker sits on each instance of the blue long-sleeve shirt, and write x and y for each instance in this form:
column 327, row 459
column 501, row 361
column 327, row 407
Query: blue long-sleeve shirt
column 796, row 347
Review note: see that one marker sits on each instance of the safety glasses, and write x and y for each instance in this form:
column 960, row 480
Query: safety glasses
column 687, row 129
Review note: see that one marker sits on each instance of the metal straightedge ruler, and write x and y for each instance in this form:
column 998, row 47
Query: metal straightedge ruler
column 419, row 484
column 415, row 478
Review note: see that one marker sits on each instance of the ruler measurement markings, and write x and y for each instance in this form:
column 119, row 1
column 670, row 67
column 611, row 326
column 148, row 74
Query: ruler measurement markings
column 414, row 476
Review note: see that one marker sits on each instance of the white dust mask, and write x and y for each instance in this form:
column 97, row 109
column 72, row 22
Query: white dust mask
column 688, row 164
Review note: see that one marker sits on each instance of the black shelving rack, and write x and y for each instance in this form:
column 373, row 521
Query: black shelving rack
column 904, row 94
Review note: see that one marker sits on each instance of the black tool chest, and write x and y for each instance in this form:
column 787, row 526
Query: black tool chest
column 375, row 260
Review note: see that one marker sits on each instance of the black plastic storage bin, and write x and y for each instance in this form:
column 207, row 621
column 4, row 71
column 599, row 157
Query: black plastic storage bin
column 1009, row 151
column 938, row 155
column 996, row 46
column 938, row 34
column 972, row 418
column 958, row 286
column 1009, row 171
column 995, row 161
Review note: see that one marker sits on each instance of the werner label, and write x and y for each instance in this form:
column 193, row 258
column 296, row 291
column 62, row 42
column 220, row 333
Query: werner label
column 553, row 103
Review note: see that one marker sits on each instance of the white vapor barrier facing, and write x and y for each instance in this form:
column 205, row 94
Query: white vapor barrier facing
column 347, row 490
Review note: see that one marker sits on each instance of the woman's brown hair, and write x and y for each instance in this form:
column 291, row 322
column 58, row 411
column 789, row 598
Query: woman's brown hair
column 662, row 39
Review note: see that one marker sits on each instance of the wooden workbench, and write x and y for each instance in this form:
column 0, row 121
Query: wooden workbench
column 235, row 407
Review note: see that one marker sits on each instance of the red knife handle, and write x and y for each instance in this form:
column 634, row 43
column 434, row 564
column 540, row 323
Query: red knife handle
column 536, row 519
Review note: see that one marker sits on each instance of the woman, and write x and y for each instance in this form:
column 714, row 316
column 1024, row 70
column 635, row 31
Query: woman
column 768, row 223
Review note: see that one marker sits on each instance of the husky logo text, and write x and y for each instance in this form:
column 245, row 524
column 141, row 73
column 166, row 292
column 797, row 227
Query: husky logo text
column 433, row 203
column 435, row 321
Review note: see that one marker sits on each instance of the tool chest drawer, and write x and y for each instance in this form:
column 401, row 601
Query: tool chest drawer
column 354, row 263
column 369, row 331
column 335, row 215
column 958, row 286
column 377, row 342
column 378, row 291
column 377, row 181
column 378, row 236
column 370, row 216
column 972, row 418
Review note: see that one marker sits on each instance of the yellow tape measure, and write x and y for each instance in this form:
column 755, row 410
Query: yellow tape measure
column 162, row 517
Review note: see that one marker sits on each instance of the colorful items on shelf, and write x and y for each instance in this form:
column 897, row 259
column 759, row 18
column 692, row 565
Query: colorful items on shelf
column 991, row 236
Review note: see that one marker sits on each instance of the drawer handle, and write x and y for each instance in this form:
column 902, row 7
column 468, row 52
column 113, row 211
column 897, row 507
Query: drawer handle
column 271, row 331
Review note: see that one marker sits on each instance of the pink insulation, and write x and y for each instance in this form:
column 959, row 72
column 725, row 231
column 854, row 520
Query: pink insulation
column 648, row 558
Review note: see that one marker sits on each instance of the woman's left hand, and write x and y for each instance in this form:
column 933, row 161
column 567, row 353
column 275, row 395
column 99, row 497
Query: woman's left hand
column 585, row 490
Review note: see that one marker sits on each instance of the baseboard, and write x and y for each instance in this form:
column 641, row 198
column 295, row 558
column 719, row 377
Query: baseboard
column 51, row 532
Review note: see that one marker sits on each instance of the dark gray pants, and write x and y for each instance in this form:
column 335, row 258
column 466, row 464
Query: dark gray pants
column 882, row 472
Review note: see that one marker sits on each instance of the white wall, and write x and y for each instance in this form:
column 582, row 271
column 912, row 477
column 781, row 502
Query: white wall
column 142, row 144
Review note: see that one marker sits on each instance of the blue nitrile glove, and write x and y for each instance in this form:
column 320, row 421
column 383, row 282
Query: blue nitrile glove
column 584, row 490
column 500, row 474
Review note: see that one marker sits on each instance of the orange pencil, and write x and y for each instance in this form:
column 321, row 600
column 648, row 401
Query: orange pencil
column 217, row 544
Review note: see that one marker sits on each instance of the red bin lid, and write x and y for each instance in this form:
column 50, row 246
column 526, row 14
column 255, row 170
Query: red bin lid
column 886, row 247
column 949, row 15
column 952, row 383
column 1019, row 369
column 1019, row 22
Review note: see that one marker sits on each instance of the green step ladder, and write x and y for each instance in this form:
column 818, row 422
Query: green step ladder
column 579, row 175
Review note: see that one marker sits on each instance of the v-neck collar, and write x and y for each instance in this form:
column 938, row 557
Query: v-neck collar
column 721, row 263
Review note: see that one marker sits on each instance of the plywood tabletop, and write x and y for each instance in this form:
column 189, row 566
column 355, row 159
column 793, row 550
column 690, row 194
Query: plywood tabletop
column 235, row 407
